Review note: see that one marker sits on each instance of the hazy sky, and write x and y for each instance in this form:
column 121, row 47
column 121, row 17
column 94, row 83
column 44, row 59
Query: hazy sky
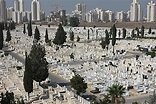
column 69, row 5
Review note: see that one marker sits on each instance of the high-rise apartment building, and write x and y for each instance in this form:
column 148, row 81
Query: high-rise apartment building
column 121, row 16
column 9, row 13
column 78, row 7
column 151, row 12
column 35, row 10
column 2, row 10
column 136, row 11
column 18, row 11
column 81, row 8
column 19, row 5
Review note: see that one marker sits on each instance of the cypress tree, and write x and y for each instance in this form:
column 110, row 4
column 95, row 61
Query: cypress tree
column 6, row 26
column 24, row 30
column 37, row 34
column 8, row 38
column 142, row 31
column 149, row 30
column 96, row 34
column 46, row 36
column 60, row 36
column 107, row 40
column 13, row 25
column 78, row 38
column 72, row 36
column 1, row 38
column 132, row 34
column 119, row 33
column 124, row 33
column 28, row 76
column 103, row 44
column 29, row 28
column 137, row 29
column 88, row 35
column 39, row 65
column 113, row 36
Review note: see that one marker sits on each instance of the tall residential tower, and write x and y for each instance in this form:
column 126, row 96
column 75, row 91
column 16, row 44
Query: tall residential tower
column 81, row 8
column 35, row 10
column 151, row 12
column 2, row 10
column 136, row 11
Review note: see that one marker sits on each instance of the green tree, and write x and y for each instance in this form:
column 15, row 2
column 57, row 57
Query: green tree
column 1, row 38
column 116, row 91
column 124, row 33
column 137, row 29
column 71, row 35
column 28, row 76
column 60, row 36
column 37, row 34
column 149, row 30
column 107, row 40
column 88, row 35
column 6, row 26
column 103, row 44
column 113, row 36
column 29, row 28
column 7, row 98
column 8, row 37
column 97, row 34
column 142, row 31
column 46, row 36
column 78, row 38
column 119, row 33
column 78, row 83
column 132, row 34
column 2, row 25
column 24, row 30
column 39, row 65
column 74, row 21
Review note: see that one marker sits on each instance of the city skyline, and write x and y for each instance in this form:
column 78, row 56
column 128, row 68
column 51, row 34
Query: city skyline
column 114, row 5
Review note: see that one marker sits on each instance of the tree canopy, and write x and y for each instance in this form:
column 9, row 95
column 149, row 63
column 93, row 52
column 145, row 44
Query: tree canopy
column 1, row 38
column 113, row 36
column 28, row 76
column 37, row 34
column 39, row 65
column 116, row 91
column 24, row 30
column 29, row 28
column 60, row 36
column 8, row 37
column 74, row 21
column 78, row 83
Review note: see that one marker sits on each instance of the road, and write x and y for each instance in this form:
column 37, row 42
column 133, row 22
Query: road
column 61, row 81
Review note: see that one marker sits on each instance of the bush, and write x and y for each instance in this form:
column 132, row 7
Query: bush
column 151, row 53
column 153, row 32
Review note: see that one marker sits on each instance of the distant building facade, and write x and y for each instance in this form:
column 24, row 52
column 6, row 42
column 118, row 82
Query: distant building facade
column 136, row 11
column 151, row 12
column 81, row 9
column 3, row 14
column 35, row 10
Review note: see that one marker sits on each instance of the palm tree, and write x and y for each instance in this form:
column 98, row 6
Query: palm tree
column 116, row 91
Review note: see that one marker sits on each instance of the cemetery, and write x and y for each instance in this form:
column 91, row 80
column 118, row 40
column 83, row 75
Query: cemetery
column 130, row 65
